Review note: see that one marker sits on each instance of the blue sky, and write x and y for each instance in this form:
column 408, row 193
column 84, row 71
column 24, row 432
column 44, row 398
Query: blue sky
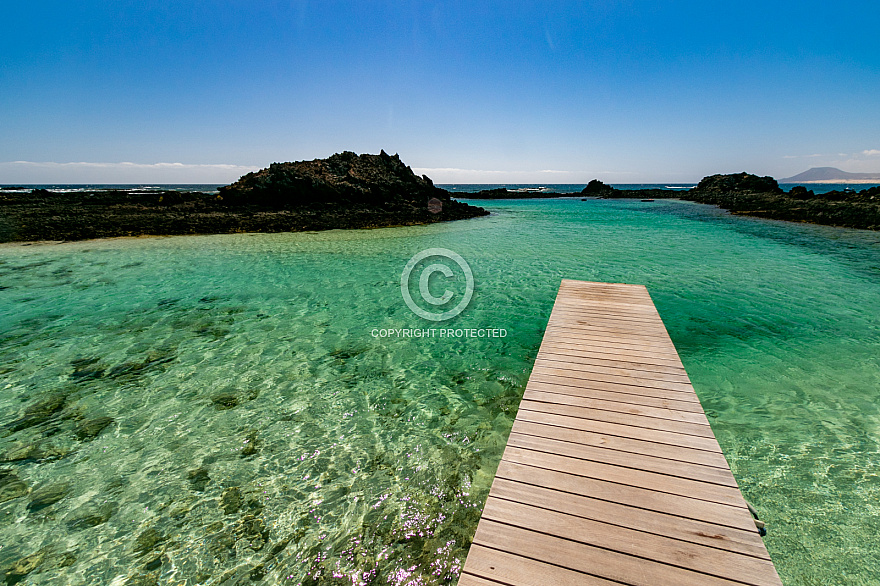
column 482, row 92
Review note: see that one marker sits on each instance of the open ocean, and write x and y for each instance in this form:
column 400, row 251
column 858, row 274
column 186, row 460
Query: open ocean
column 255, row 428
column 452, row 187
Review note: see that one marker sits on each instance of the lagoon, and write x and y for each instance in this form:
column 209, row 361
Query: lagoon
column 261, row 433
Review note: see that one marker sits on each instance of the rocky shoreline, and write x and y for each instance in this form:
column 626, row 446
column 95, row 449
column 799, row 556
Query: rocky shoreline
column 749, row 195
column 369, row 191
column 746, row 195
column 343, row 191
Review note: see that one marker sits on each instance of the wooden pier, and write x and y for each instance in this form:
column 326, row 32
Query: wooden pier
column 612, row 474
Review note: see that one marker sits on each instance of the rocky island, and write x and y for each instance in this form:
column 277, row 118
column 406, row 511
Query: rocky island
column 743, row 194
column 749, row 195
column 345, row 190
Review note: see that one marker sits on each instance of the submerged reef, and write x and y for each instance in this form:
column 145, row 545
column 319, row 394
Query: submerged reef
column 345, row 190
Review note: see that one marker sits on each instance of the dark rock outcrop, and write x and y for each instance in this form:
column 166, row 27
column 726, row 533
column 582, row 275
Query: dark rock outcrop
column 343, row 191
column 504, row 193
column 596, row 188
column 344, row 177
column 750, row 195
column 736, row 183
column 745, row 194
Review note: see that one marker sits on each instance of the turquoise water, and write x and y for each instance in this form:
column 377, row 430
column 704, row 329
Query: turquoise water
column 192, row 410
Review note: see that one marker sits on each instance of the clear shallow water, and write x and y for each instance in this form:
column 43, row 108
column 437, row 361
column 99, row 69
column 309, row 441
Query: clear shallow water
column 259, row 432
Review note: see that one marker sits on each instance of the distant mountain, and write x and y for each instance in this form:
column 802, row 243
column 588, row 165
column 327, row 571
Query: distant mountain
column 831, row 175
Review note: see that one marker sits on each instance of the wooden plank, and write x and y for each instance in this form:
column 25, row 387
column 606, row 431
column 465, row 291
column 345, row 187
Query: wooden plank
column 590, row 366
column 583, row 347
column 611, row 473
column 598, row 423
column 563, row 379
column 591, row 560
column 626, row 476
column 647, row 321
column 551, row 396
column 618, row 332
column 611, row 360
column 616, row 397
column 649, row 327
column 540, row 442
column 625, row 305
column 638, row 498
column 674, row 552
column 645, row 422
column 617, row 342
column 609, row 309
column 612, row 341
column 718, row 536
column 622, row 308
column 640, row 381
column 573, row 429
column 494, row 567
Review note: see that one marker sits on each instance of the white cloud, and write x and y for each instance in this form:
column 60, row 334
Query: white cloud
column 36, row 172
column 871, row 152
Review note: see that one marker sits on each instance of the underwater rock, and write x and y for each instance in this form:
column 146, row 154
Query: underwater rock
column 224, row 401
column 39, row 412
column 250, row 443
column 22, row 451
column 44, row 560
column 155, row 563
column 90, row 515
column 150, row 579
column 229, row 400
column 48, row 495
column 89, row 429
column 155, row 359
column 279, row 547
column 11, row 486
column 147, row 541
column 257, row 573
column 179, row 511
column 198, row 479
column 254, row 530
column 221, row 545
column 86, row 369
column 231, row 500
column 19, row 570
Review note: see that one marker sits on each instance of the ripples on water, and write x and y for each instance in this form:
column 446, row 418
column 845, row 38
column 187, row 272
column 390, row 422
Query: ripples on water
column 200, row 409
